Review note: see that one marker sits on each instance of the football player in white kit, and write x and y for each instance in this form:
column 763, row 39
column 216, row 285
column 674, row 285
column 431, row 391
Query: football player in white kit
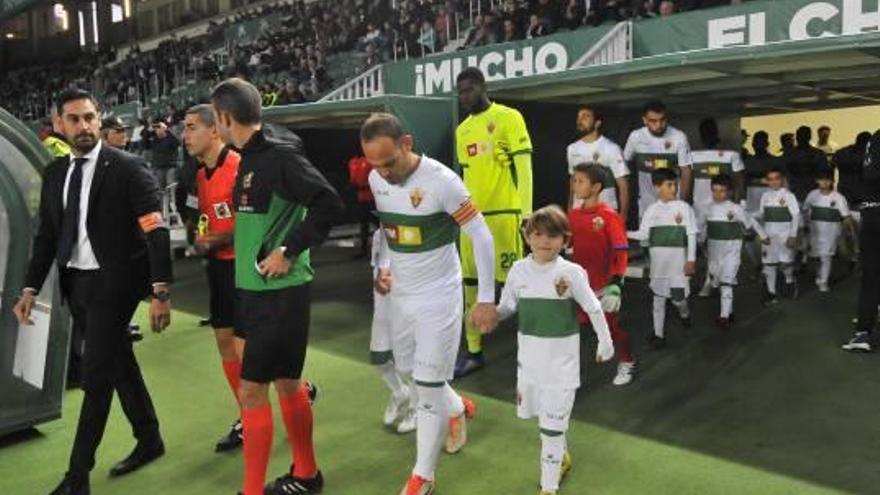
column 712, row 161
column 593, row 147
column 722, row 224
column 827, row 212
column 544, row 290
column 670, row 230
column 400, row 413
column 780, row 215
column 658, row 146
column 422, row 205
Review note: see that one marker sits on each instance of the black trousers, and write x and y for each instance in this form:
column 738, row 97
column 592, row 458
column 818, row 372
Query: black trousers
column 108, row 365
column 869, row 292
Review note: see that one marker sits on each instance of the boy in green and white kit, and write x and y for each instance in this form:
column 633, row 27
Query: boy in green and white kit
column 670, row 230
column 545, row 290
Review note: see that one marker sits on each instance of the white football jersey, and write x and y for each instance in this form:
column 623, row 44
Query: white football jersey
column 670, row 229
column 825, row 212
column 647, row 153
column 606, row 153
column 708, row 164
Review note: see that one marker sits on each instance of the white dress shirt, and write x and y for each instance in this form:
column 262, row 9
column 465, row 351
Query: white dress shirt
column 82, row 257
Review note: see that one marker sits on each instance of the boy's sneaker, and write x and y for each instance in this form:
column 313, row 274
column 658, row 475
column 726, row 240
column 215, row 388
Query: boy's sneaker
column 655, row 342
column 706, row 291
column 723, row 323
column 771, row 299
column 396, row 408
column 456, row 438
column 795, row 290
column 418, row 486
column 685, row 320
column 861, row 342
column 408, row 423
column 823, row 286
column 469, row 363
column 624, row 373
column 566, row 466
column 291, row 485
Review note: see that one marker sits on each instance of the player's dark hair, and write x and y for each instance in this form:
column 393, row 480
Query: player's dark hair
column 598, row 115
column 381, row 125
column 662, row 175
column 722, row 180
column 238, row 98
column 825, row 173
column 74, row 94
column 709, row 131
column 775, row 170
column 655, row 106
column 472, row 74
column 549, row 220
column 595, row 173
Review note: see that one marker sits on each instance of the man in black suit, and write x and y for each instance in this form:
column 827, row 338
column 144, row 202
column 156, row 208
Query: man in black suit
column 101, row 223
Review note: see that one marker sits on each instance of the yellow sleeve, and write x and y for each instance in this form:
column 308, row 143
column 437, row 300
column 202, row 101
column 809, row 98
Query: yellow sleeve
column 517, row 134
column 523, row 164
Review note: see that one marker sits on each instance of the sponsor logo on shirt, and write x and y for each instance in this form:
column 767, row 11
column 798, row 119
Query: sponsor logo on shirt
column 562, row 286
column 404, row 235
column 222, row 211
column 713, row 170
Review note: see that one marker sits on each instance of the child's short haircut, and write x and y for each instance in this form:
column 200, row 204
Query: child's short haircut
column 662, row 175
column 722, row 180
column 825, row 173
column 549, row 220
column 776, row 170
column 595, row 172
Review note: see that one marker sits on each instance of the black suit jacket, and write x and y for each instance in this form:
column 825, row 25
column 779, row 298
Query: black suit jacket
column 123, row 191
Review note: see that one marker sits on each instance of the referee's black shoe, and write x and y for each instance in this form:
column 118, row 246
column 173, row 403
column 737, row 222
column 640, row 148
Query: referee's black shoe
column 232, row 440
column 291, row 485
column 72, row 485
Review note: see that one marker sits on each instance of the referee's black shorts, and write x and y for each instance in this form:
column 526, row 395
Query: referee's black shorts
column 276, row 323
column 221, row 284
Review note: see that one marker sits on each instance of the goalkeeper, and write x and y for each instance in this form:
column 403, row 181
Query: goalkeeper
column 495, row 153
column 598, row 237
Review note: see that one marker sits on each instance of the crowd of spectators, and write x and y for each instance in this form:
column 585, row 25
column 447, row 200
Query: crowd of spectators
column 293, row 40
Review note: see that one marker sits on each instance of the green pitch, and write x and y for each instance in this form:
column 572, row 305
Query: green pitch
column 773, row 408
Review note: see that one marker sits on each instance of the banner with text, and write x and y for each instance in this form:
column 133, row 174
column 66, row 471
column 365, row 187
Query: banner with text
column 755, row 24
column 435, row 75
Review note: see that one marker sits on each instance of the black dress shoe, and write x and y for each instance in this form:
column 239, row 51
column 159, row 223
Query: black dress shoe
column 139, row 457
column 72, row 485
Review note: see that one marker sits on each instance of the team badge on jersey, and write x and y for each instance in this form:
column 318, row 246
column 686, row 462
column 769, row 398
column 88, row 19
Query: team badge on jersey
column 678, row 218
column 248, row 180
column 596, row 157
column 598, row 223
column 834, row 204
column 472, row 149
column 491, row 127
column 667, row 144
column 416, row 196
column 730, row 216
column 781, row 201
column 222, row 211
column 562, row 286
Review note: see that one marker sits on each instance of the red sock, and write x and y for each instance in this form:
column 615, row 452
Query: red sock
column 297, row 413
column 257, row 425
column 232, row 370
column 619, row 337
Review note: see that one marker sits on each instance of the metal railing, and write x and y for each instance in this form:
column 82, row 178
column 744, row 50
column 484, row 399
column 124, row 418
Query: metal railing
column 614, row 47
column 368, row 84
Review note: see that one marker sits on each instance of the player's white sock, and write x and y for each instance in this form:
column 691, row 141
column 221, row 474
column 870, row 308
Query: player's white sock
column 659, row 315
column 707, row 286
column 432, row 421
column 683, row 309
column 726, row 301
column 453, row 401
column 770, row 276
column 788, row 271
column 552, row 451
column 824, row 269
column 391, row 378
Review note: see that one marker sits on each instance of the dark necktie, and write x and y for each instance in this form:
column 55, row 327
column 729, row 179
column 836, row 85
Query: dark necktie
column 70, row 220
